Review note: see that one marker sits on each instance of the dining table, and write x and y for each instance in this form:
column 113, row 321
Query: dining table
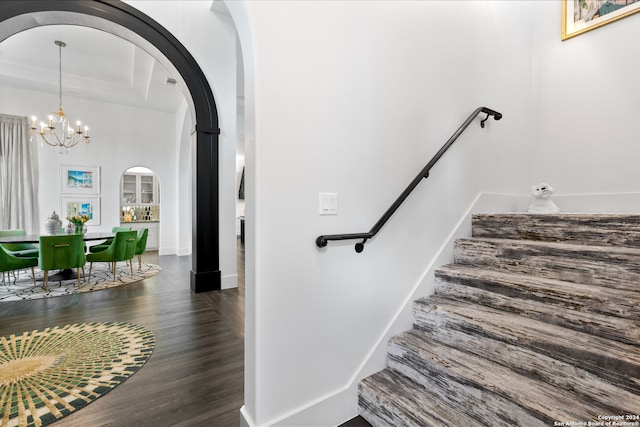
column 65, row 274
column 35, row 238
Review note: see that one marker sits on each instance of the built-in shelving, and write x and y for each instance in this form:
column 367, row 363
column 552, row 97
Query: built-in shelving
column 139, row 189
column 140, row 203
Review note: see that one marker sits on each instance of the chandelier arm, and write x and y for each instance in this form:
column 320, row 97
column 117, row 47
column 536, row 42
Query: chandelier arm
column 66, row 143
column 74, row 142
column 44, row 138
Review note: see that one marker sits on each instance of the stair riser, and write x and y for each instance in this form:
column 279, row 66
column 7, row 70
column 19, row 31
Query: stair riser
column 374, row 411
column 565, row 312
column 590, row 267
column 387, row 399
column 453, row 329
column 598, row 230
column 469, row 376
column 485, row 407
column 481, row 405
column 564, row 295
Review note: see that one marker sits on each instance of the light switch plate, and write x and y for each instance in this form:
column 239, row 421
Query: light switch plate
column 328, row 203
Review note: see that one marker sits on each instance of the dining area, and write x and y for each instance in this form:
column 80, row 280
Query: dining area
column 61, row 259
column 52, row 256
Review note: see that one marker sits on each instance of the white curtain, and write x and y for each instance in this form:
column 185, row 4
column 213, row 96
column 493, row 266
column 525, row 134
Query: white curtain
column 18, row 176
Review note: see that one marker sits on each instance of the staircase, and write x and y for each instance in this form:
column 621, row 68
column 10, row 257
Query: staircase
column 537, row 323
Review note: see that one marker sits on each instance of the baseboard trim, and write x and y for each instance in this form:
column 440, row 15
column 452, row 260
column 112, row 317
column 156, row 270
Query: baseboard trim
column 229, row 282
column 167, row 251
column 245, row 419
column 183, row 251
column 331, row 409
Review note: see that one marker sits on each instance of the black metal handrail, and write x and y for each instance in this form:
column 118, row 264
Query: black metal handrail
column 322, row 241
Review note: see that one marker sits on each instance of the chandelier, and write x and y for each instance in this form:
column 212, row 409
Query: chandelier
column 59, row 132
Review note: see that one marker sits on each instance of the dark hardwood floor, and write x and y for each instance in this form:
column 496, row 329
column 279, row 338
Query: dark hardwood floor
column 356, row 422
column 195, row 374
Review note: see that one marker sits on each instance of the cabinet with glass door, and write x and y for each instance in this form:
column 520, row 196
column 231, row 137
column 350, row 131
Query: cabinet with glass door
column 139, row 189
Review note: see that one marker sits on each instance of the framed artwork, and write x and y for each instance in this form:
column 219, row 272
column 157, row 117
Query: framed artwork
column 579, row 16
column 80, row 179
column 80, row 205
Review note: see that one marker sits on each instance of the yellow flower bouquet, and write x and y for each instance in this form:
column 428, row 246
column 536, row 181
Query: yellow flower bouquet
column 78, row 221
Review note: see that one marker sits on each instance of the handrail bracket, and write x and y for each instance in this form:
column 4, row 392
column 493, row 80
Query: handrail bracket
column 482, row 121
column 360, row 246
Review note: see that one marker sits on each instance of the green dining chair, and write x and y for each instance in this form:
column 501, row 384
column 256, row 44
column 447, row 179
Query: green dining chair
column 61, row 252
column 27, row 250
column 122, row 248
column 104, row 245
column 9, row 262
column 141, row 245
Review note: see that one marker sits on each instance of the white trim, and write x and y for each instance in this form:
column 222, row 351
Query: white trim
column 245, row 419
column 229, row 282
column 183, row 251
column 167, row 251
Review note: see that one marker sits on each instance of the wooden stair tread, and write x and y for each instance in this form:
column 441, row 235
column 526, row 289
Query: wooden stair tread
column 490, row 390
column 557, row 246
column 587, row 229
column 608, row 359
column 530, row 364
column 601, row 311
column 544, row 287
column 600, row 266
column 408, row 405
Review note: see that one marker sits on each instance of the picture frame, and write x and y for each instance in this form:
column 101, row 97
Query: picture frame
column 80, row 205
column 79, row 179
column 593, row 14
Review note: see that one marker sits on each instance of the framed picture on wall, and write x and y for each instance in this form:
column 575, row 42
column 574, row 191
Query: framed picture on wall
column 579, row 16
column 79, row 179
column 81, row 205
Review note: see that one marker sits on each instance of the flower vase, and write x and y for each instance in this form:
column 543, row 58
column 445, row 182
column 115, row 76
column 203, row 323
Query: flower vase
column 80, row 229
column 71, row 229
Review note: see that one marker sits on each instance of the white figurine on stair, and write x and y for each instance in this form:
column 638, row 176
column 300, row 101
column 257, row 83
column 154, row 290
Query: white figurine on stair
column 541, row 202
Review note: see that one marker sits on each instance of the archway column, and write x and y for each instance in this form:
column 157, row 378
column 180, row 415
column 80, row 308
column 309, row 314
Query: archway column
column 205, row 259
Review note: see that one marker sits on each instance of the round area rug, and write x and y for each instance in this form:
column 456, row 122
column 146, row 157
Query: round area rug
column 46, row 375
column 18, row 287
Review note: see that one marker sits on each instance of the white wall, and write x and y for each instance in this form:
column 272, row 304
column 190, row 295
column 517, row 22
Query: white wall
column 183, row 208
column 587, row 107
column 121, row 137
column 354, row 98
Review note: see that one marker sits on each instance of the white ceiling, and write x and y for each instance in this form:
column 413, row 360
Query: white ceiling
column 95, row 65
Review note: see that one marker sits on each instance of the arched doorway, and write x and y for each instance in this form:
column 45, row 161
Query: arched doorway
column 129, row 23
